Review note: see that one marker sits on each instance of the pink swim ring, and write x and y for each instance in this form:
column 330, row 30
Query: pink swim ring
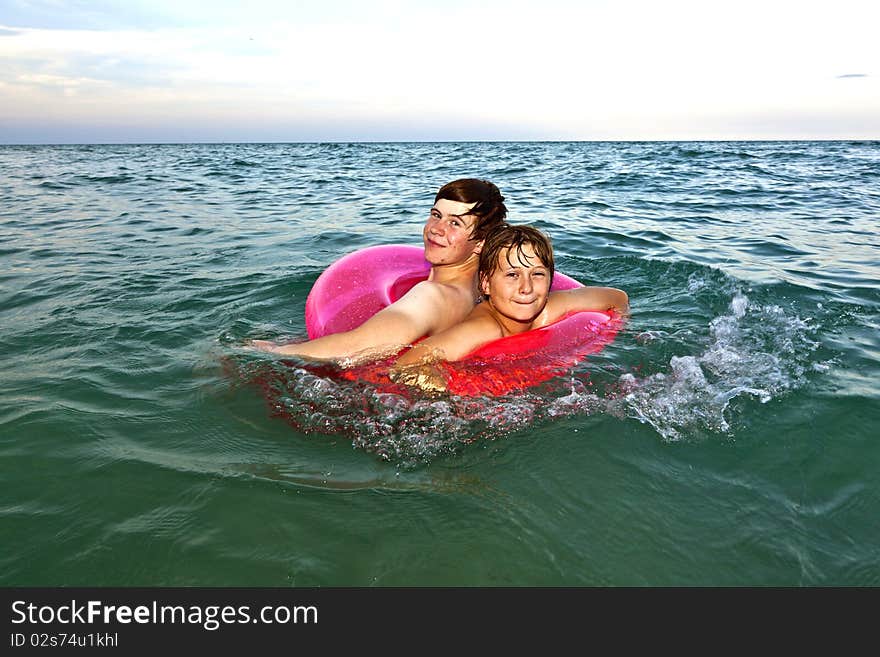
column 360, row 284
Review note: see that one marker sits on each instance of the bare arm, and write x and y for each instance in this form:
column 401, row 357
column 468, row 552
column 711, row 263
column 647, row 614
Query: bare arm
column 587, row 298
column 419, row 366
column 479, row 327
column 412, row 316
column 457, row 342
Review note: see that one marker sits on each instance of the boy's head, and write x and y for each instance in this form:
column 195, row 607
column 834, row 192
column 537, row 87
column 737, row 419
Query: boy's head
column 489, row 209
column 508, row 242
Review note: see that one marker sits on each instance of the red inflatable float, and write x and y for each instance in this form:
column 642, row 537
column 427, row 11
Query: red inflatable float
column 360, row 284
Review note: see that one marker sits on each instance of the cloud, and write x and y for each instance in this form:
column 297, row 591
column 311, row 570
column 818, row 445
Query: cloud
column 563, row 70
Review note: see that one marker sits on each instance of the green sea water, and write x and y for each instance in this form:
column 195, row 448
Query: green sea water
column 728, row 436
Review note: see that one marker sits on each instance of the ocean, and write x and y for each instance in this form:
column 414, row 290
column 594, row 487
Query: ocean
column 727, row 437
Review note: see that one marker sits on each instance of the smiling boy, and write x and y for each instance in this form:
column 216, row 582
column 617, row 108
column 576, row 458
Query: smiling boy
column 515, row 273
column 464, row 213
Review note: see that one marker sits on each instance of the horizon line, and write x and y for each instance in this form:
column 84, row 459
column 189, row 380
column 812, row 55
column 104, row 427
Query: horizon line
column 443, row 141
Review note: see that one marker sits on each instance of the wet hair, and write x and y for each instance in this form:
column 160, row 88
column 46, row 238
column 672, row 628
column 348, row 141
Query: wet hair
column 489, row 210
column 515, row 238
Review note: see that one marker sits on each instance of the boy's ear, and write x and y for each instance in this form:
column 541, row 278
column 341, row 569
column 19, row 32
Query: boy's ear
column 479, row 247
column 484, row 285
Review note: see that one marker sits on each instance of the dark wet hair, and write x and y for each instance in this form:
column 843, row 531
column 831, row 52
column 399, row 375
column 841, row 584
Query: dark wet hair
column 515, row 238
column 489, row 210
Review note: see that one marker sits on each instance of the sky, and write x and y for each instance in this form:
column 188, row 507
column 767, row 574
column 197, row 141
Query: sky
column 78, row 71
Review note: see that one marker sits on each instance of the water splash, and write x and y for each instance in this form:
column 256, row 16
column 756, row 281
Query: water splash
column 751, row 351
column 758, row 351
column 406, row 429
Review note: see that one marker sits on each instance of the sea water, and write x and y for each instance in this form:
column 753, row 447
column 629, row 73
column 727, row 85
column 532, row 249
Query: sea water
column 728, row 436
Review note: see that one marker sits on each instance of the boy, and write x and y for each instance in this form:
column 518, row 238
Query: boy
column 465, row 212
column 515, row 273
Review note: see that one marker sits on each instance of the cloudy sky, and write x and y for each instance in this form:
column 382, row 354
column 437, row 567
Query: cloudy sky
column 78, row 71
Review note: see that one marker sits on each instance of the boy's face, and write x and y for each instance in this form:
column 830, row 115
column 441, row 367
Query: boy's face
column 447, row 233
column 520, row 285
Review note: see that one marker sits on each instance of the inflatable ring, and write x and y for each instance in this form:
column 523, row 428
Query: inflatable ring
column 360, row 284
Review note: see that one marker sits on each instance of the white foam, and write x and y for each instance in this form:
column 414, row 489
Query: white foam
column 695, row 283
column 738, row 305
column 750, row 352
column 753, row 351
